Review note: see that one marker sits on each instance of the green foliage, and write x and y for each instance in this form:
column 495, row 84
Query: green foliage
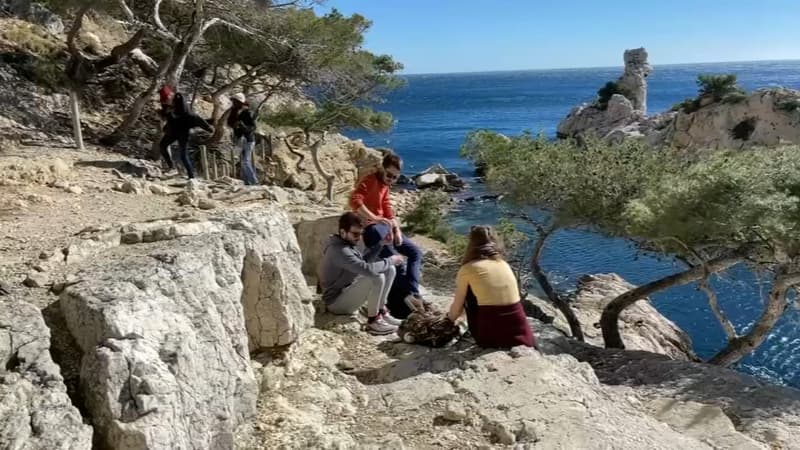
column 329, row 117
column 734, row 97
column 718, row 88
column 723, row 201
column 32, row 38
column 605, row 93
column 39, row 56
column 510, row 236
column 323, row 56
column 480, row 141
column 428, row 216
column 688, row 106
column 587, row 185
column 789, row 105
column 457, row 245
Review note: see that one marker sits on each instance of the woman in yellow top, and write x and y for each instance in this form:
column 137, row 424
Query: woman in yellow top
column 487, row 290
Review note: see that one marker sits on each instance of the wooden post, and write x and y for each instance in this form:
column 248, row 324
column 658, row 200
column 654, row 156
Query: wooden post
column 204, row 160
column 75, row 107
column 233, row 162
column 214, row 165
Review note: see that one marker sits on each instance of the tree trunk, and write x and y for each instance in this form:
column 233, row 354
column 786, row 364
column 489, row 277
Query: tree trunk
column 75, row 109
column 713, row 303
column 329, row 179
column 774, row 309
column 170, row 70
column 544, row 282
column 609, row 320
column 133, row 115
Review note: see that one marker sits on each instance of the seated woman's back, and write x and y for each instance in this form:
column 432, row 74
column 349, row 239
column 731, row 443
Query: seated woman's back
column 487, row 290
column 492, row 281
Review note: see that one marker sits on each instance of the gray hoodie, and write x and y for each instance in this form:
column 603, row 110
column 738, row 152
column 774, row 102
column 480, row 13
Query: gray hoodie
column 342, row 263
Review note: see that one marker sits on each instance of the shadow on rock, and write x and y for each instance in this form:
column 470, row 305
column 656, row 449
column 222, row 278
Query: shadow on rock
column 741, row 395
column 413, row 360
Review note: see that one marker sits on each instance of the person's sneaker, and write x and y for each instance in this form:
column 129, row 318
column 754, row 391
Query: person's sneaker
column 379, row 327
column 391, row 320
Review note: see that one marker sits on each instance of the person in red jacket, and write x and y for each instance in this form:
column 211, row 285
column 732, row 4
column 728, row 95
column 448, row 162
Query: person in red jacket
column 371, row 201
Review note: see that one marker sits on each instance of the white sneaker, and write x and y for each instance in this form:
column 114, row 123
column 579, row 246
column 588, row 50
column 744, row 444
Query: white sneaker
column 391, row 320
column 379, row 327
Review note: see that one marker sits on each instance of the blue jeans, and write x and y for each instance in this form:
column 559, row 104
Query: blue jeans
column 407, row 277
column 166, row 141
column 246, row 158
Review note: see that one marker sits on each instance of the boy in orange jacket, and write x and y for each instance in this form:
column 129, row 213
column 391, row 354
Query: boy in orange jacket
column 371, row 201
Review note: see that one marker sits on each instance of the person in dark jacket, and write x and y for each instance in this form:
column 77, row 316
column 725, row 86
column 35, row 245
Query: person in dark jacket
column 180, row 121
column 349, row 279
column 243, row 124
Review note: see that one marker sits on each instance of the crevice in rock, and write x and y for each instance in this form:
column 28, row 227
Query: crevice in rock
column 13, row 363
column 66, row 354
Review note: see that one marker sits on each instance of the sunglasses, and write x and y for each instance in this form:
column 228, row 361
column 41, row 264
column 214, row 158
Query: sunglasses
column 392, row 176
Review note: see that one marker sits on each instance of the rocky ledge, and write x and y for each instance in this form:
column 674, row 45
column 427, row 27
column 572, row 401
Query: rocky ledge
column 765, row 117
column 200, row 332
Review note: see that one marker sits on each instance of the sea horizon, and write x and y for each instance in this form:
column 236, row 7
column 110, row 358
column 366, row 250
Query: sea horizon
column 610, row 67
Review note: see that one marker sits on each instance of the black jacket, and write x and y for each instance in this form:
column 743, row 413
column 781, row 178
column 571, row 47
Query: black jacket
column 243, row 124
column 181, row 120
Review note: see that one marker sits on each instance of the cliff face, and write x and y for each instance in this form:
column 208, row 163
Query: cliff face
column 765, row 117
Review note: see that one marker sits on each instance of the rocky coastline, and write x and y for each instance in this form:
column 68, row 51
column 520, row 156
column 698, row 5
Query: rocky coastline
column 766, row 117
column 210, row 314
column 142, row 311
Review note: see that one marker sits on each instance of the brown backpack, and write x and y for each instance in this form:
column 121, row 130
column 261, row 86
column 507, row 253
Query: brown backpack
column 429, row 327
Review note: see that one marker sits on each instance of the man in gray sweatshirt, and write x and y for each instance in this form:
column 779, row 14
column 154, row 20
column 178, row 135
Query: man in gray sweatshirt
column 349, row 279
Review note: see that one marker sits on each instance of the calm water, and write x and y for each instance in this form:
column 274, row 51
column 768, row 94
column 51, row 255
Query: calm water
column 435, row 112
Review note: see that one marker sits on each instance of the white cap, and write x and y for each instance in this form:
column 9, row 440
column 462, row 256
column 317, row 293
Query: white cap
column 239, row 98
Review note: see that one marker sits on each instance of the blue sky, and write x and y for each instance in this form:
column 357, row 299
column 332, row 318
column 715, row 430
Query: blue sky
column 440, row 36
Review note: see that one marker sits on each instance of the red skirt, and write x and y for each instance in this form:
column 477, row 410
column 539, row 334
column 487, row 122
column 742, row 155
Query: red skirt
column 498, row 326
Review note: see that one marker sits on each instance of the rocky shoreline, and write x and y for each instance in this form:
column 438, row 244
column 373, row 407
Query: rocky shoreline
column 139, row 311
column 766, row 117
column 210, row 314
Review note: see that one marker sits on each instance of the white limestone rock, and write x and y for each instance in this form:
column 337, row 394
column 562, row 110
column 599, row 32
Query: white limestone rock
column 634, row 79
column 35, row 411
column 641, row 325
column 163, row 330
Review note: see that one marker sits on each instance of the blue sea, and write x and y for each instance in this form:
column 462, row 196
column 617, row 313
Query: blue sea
column 435, row 112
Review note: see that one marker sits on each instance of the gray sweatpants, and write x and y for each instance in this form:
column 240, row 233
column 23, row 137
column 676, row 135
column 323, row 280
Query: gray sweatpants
column 372, row 290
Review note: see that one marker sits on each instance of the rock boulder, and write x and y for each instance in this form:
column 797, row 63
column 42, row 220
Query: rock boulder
column 437, row 177
column 634, row 78
column 164, row 325
column 35, row 411
column 765, row 118
column 311, row 236
column 641, row 325
column 345, row 159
